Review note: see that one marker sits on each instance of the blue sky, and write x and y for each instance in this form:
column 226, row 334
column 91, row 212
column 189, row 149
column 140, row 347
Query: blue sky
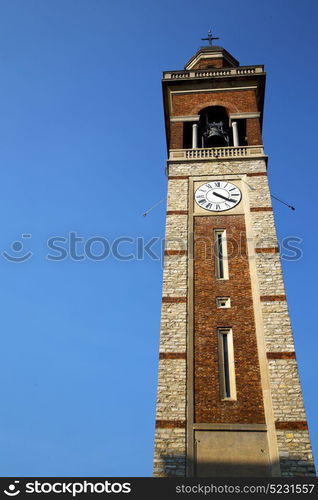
column 82, row 150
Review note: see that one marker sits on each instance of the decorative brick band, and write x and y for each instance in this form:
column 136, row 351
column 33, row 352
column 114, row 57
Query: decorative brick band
column 175, row 252
column 174, row 177
column 281, row 355
column 171, row 300
column 267, row 250
column 272, row 298
column 177, row 212
column 172, row 355
column 254, row 174
column 261, row 209
column 170, row 424
column 292, row 426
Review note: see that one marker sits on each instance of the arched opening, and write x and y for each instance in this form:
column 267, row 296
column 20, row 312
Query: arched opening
column 213, row 128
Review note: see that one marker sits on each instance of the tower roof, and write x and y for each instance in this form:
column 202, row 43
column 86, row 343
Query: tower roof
column 211, row 56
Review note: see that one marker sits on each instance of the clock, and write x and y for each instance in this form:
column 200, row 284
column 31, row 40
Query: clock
column 218, row 196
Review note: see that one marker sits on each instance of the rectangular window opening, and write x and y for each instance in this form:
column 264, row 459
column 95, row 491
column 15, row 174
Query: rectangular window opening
column 220, row 247
column 223, row 302
column 226, row 364
column 226, row 370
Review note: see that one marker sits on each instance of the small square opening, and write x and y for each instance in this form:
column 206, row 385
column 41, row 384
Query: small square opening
column 223, row 302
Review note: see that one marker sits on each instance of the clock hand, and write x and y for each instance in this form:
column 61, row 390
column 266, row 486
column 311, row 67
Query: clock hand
column 221, row 196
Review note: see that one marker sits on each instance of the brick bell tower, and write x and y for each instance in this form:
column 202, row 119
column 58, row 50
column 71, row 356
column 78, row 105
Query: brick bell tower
column 229, row 399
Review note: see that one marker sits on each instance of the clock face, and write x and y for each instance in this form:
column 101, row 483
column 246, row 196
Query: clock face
column 218, row 196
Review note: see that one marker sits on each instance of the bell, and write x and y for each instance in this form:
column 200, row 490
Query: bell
column 215, row 133
column 213, row 129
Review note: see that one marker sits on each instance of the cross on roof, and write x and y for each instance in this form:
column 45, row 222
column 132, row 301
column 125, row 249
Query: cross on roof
column 210, row 38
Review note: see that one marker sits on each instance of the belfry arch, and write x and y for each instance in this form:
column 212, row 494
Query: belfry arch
column 213, row 127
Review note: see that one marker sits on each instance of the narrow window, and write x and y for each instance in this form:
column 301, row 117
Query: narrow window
column 221, row 264
column 226, row 364
column 226, row 369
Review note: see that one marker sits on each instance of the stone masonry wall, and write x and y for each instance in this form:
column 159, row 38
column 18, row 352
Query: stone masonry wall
column 170, row 450
column 177, row 198
column 220, row 167
column 277, row 329
column 286, row 392
column 170, row 436
column 270, row 278
column 175, row 276
column 176, row 232
column 293, row 441
column 295, row 453
column 172, row 387
column 173, row 332
column 261, row 220
column 293, row 444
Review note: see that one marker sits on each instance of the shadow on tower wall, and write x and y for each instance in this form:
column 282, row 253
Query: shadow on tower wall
column 175, row 466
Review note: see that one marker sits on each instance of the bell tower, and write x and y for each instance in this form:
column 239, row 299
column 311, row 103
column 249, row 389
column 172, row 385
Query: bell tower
column 229, row 399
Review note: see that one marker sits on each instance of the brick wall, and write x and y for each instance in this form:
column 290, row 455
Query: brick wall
column 238, row 101
column 176, row 135
column 253, row 132
column 192, row 104
column 240, row 317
